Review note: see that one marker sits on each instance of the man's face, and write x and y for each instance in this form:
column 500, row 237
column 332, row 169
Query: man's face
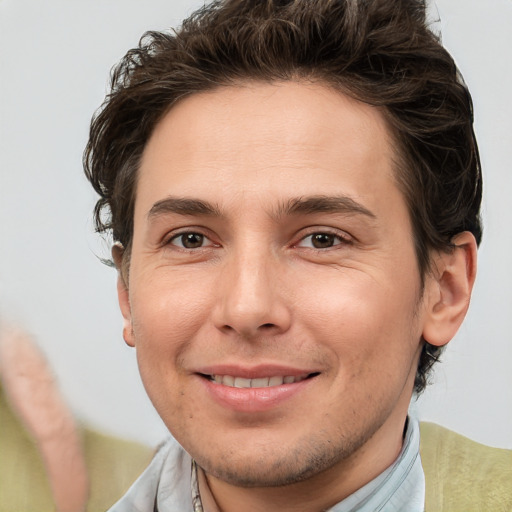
column 274, row 292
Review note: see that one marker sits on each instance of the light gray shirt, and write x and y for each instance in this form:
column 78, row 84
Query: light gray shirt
column 170, row 484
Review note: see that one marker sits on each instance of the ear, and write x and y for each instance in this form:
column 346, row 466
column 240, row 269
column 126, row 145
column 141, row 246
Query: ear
column 448, row 290
column 123, row 295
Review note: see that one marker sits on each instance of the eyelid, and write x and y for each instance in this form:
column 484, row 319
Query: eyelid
column 169, row 237
column 343, row 237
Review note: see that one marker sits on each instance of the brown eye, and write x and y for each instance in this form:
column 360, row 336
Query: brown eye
column 189, row 240
column 322, row 240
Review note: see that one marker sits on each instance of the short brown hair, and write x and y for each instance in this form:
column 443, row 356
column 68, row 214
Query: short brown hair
column 380, row 52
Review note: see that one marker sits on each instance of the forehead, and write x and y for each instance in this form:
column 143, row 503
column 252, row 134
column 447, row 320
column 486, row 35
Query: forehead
column 275, row 140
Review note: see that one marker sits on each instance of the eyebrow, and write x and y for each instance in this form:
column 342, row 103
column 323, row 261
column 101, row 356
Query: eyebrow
column 296, row 206
column 323, row 204
column 183, row 206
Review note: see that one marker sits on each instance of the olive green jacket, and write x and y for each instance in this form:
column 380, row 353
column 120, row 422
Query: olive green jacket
column 462, row 475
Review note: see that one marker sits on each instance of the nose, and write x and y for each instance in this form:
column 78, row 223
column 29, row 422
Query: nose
column 251, row 299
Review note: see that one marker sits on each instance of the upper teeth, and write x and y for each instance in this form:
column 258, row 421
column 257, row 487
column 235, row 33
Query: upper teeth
column 263, row 382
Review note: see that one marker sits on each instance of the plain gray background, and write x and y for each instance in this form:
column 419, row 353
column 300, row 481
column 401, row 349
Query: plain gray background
column 55, row 56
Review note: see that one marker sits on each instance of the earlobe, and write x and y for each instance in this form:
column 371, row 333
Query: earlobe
column 448, row 290
column 123, row 295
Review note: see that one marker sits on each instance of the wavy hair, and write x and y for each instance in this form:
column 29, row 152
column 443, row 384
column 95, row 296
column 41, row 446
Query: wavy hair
column 380, row 52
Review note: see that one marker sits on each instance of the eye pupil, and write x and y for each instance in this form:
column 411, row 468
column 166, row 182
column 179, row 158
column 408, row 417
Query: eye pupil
column 322, row 240
column 192, row 240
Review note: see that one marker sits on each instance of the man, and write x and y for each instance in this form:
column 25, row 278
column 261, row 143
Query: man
column 293, row 189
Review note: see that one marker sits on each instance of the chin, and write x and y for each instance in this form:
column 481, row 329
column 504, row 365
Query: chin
column 270, row 467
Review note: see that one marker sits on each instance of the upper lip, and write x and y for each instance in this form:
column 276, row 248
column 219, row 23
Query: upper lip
column 255, row 372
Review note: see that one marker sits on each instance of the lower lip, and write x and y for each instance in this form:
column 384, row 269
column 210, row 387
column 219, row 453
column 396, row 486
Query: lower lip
column 253, row 399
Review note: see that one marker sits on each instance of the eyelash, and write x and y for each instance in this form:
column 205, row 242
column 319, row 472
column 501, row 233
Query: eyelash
column 181, row 235
column 336, row 239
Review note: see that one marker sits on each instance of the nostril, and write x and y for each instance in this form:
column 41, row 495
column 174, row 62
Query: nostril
column 267, row 326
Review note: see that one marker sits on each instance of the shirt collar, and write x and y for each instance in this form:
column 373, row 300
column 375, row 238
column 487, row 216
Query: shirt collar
column 400, row 488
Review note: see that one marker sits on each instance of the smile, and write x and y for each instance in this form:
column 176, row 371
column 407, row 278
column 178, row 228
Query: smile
column 261, row 382
column 255, row 390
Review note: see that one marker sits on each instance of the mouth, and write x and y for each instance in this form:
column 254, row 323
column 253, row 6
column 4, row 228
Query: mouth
column 255, row 390
column 260, row 382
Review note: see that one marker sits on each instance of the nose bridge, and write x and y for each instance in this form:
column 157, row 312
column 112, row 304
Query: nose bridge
column 251, row 299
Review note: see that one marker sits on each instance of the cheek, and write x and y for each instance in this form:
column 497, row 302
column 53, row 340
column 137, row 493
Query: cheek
column 166, row 317
column 362, row 320
column 166, row 309
column 164, row 329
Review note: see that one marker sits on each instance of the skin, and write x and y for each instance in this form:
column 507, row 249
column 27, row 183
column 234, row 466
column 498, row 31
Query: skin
column 279, row 276
column 35, row 398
